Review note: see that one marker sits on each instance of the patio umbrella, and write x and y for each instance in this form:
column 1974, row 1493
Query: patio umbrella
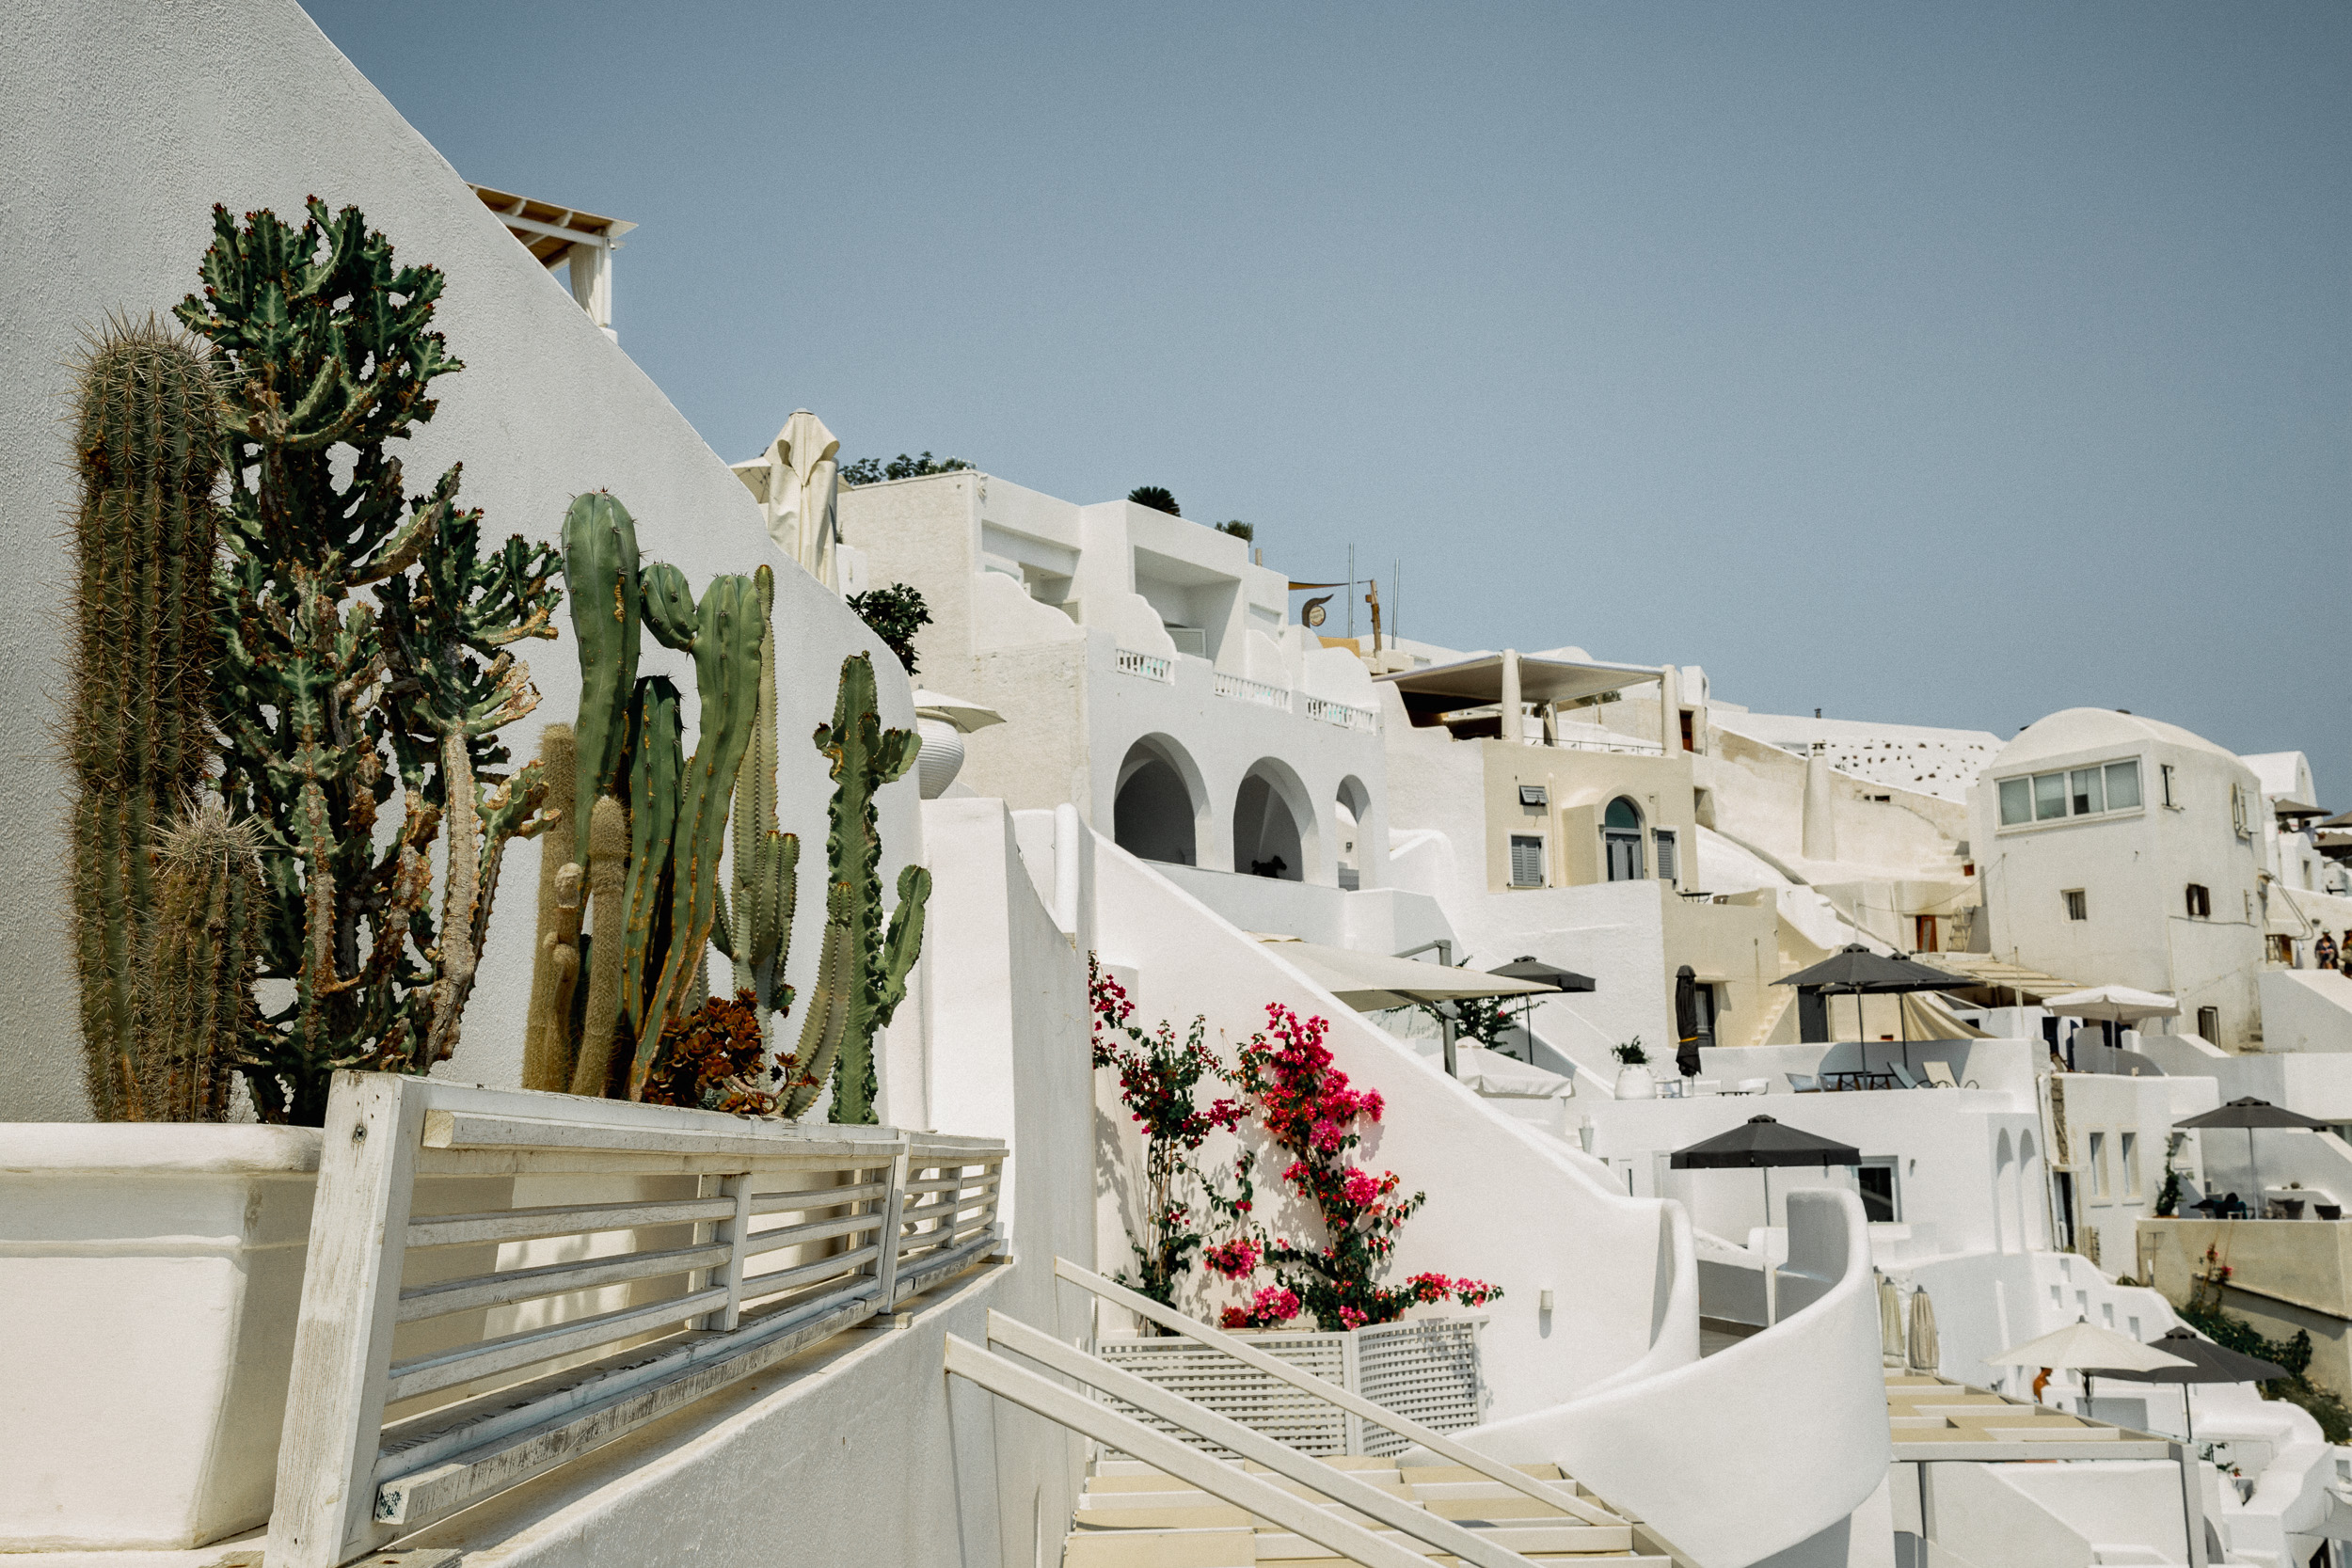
column 1374, row 982
column 2204, row 1362
column 796, row 482
column 2084, row 1347
column 2113, row 1004
column 1687, row 1021
column 1528, row 967
column 1890, row 1323
column 1926, row 1351
column 1856, row 969
column 1760, row 1143
column 2250, row 1114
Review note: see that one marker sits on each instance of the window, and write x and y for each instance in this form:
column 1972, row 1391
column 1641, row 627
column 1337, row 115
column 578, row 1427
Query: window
column 1710, row 1007
column 2094, row 791
column 2077, row 904
column 2098, row 1164
column 2209, row 1025
column 2240, row 817
column 1669, row 869
column 1535, row 794
column 1527, row 860
column 2200, row 901
column 1621, row 836
column 2165, row 769
column 1690, row 741
column 1923, row 935
column 1882, row 1203
column 2129, row 1151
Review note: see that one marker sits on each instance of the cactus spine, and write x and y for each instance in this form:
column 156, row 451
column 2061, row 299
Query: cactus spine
column 723, row 632
column 862, row 972
column 148, row 444
column 555, row 958
column 199, row 977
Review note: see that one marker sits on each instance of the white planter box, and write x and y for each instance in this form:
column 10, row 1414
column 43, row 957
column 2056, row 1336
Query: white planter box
column 149, row 1277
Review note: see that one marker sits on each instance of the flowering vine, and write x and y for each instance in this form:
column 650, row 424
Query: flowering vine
column 1306, row 1106
column 1159, row 1080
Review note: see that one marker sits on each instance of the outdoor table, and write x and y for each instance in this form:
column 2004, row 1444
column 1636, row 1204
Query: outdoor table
column 1857, row 1080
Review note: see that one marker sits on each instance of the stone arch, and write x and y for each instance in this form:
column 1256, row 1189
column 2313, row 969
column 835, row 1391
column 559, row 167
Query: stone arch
column 1157, row 809
column 1351, row 806
column 1274, row 823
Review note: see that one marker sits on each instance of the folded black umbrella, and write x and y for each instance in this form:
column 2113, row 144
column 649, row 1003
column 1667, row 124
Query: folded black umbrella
column 1686, row 1022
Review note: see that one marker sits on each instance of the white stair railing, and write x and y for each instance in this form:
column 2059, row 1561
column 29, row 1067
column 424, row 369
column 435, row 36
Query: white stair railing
column 455, row 1340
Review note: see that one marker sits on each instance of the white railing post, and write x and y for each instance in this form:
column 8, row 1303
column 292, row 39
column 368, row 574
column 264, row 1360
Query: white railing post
column 892, row 1206
column 736, row 1233
column 325, row 1508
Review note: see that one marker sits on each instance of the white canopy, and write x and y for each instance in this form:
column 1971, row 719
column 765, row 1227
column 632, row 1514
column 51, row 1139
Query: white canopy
column 2119, row 1004
column 1371, row 981
column 2086, row 1344
column 796, row 482
column 964, row 715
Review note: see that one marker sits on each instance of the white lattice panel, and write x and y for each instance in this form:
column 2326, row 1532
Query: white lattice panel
column 1257, row 1401
column 1425, row 1370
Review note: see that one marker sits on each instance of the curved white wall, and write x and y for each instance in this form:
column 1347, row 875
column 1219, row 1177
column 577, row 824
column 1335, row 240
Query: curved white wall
column 1756, row 1448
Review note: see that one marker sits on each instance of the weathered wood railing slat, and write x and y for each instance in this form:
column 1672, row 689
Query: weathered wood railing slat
column 719, row 1248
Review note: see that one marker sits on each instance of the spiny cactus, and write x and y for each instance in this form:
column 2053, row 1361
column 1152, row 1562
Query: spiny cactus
column 328, row 701
column 755, row 927
column 198, row 980
column 148, row 444
column 555, row 956
column 862, row 972
column 656, row 748
column 607, row 880
column 600, row 570
column 723, row 632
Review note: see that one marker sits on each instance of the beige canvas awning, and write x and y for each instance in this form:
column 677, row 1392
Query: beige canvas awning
column 1369, row 982
column 1477, row 682
column 1984, row 969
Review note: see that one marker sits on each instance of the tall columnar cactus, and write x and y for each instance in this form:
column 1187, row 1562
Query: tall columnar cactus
column 329, row 701
column 555, row 955
column 655, row 758
column 148, row 444
column 862, row 972
column 196, row 982
column 723, row 632
column 756, row 926
column 600, row 570
column 608, row 884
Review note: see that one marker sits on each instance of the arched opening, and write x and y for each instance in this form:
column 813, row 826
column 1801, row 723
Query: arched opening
column 1621, row 836
column 1352, row 805
column 1154, row 814
column 2032, row 1210
column 1268, row 837
column 2005, row 1237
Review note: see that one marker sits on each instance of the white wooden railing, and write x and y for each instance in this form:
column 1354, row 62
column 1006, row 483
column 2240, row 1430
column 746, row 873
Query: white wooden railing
column 1347, row 716
column 502, row 1281
column 1152, row 666
column 1243, row 689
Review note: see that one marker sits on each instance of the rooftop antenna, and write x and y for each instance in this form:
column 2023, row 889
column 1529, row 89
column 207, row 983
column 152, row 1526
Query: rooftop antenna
column 1351, row 598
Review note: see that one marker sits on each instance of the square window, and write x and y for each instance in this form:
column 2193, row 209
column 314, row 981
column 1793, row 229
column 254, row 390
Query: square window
column 1527, row 860
column 2086, row 792
column 2098, row 1164
column 2049, row 796
column 1669, row 866
column 2200, row 901
column 2129, row 1150
column 2077, row 904
column 2122, row 785
column 2209, row 1025
column 1535, row 794
column 2016, row 801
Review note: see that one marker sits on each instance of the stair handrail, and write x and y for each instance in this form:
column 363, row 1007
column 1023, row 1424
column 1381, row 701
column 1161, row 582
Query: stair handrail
column 1356, row 1404
column 1442, row 1535
column 1042, row 1396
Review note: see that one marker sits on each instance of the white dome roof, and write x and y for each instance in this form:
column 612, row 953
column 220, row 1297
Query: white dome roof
column 2092, row 729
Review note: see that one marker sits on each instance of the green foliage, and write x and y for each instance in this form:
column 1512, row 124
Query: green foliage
column 601, row 569
column 1630, row 1053
column 896, row 612
column 862, row 971
column 2230, row 1332
column 1155, row 497
column 1484, row 1019
column 329, row 701
column 1246, row 532
column 755, row 927
column 139, row 739
column 2168, row 1196
column 873, row 471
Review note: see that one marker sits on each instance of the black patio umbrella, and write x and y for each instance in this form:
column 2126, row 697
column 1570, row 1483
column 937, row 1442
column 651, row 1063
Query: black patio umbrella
column 1859, row 971
column 1760, row 1143
column 1687, row 1021
column 1528, row 967
column 2207, row 1363
column 2250, row 1114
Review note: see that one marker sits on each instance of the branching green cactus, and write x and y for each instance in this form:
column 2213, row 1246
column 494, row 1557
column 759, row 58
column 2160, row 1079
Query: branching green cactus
column 328, row 701
column 197, row 979
column 723, row 633
column 148, row 444
column 863, row 970
column 755, row 927
column 600, row 571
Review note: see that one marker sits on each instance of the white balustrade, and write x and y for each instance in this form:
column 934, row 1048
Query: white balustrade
column 1265, row 694
column 1150, row 667
column 1347, row 716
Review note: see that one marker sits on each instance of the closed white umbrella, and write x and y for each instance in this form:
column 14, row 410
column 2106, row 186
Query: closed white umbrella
column 796, row 482
column 1925, row 1349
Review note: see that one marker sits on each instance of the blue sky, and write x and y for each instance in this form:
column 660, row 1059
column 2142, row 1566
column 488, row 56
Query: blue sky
column 1942, row 364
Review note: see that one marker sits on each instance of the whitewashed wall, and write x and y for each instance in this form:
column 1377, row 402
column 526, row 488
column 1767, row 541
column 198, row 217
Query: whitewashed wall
column 124, row 122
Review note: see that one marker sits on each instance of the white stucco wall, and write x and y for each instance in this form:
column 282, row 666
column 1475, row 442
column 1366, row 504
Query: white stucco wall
column 124, row 123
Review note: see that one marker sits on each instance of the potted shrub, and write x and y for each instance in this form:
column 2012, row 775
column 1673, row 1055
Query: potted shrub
column 1634, row 1081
